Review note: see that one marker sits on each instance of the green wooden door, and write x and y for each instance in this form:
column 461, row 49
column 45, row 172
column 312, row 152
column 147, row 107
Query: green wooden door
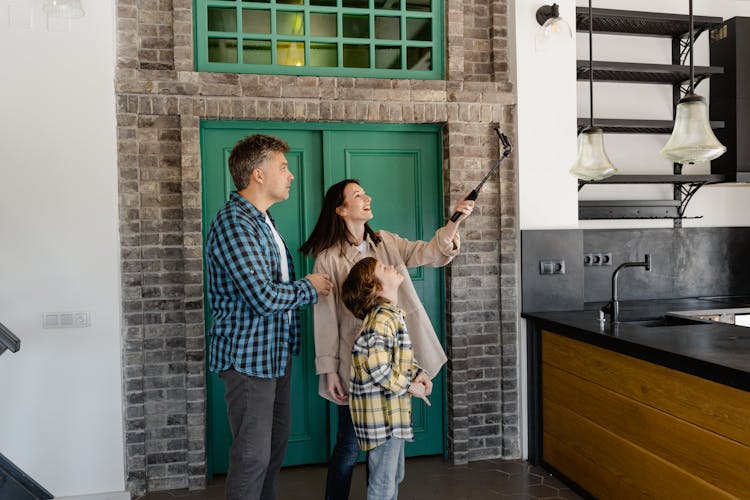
column 401, row 172
column 400, row 167
column 295, row 219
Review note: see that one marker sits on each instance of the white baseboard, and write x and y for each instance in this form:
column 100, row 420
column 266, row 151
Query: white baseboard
column 112, row 495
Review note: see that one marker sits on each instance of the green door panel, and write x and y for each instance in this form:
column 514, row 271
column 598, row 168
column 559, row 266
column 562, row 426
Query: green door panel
column 295, row 219
column 400, row 166
column 401, row 172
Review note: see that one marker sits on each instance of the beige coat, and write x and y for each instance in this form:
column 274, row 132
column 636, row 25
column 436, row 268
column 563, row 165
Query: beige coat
column 336, row 327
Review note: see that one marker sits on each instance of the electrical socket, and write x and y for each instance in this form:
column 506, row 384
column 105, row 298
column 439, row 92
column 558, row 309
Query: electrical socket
column 552, row 266
column 597, row 259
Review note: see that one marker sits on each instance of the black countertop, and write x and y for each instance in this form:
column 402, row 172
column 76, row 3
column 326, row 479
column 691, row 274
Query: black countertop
column 714, row 351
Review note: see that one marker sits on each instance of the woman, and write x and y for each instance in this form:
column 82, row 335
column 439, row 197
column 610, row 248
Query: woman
column 341, row 237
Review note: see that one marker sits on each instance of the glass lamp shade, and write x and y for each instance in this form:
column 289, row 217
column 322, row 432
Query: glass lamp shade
column 692, row 139
column 65, row 9
column 592, row 163
column 557, row 28
column 554, row 31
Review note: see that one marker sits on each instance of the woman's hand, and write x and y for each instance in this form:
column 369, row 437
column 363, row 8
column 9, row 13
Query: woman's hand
column 334, row 389
column 464, row 207
column 423, row 379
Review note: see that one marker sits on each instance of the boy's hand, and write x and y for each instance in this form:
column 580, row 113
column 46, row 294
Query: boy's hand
column 418, row 390
column 422, row 378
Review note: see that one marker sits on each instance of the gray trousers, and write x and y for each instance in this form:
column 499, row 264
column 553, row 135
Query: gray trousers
column 260, row 420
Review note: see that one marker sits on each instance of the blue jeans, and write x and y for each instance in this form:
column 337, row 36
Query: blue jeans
column 386, row 466
column 343, row 458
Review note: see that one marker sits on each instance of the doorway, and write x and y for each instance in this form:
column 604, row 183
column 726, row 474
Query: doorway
column 400, row 167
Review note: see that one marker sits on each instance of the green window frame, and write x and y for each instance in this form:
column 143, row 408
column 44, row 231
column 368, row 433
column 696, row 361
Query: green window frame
column 353, row 38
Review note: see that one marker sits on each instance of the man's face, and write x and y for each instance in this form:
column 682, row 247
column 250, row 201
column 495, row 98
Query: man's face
column 277, row 179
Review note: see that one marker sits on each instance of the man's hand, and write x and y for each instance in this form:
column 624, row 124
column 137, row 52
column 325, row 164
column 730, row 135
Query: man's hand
column 418, row 390
column 424, row 379
column 334, row 389
column 321, row 282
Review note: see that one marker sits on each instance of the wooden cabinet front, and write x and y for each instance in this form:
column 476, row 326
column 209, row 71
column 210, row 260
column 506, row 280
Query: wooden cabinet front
column 624, row 428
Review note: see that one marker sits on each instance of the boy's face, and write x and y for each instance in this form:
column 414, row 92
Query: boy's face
column 389, row 277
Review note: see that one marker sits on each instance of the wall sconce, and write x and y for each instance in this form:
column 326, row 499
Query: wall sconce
column 64, row 9
column 554, row 29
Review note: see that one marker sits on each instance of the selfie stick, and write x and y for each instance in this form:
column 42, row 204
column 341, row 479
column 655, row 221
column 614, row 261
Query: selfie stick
column 507, row 148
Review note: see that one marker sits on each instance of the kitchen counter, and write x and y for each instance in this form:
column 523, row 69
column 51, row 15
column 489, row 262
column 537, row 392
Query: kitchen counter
column 715, row 351
column 646, row 408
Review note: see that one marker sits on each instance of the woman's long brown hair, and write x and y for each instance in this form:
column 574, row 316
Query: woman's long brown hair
column 330, row 229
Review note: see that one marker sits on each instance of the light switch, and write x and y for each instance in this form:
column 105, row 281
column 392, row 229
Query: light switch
column 74, row 319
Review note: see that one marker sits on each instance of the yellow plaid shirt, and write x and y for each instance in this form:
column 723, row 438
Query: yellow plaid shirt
column 383, row 367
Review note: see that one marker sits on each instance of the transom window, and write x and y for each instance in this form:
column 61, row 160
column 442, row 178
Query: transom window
column 369, row 38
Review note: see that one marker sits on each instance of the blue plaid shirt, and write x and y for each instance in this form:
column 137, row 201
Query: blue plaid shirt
column 256, row 316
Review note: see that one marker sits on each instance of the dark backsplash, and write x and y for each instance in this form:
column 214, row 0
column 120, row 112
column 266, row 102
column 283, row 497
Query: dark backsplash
column 686, row 262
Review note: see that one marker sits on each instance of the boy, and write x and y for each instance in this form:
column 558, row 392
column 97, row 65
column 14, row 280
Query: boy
column 382, row 374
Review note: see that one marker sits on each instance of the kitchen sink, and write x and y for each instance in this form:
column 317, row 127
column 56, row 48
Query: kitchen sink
column 668, row 320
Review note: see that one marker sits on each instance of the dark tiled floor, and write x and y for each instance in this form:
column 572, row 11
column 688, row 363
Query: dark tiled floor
column 427, row 478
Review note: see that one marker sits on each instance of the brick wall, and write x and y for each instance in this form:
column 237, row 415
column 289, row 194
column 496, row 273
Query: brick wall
column 160, row 103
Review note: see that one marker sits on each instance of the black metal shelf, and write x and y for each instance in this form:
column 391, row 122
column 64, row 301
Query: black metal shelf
column 609, row 71
column 642, row 23
column 628, row 209
column 686, row 185
column 659, row 179
column 624, row 126
column 654, row 24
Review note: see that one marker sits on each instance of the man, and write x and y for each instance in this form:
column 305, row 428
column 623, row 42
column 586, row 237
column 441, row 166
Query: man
column 254, row 301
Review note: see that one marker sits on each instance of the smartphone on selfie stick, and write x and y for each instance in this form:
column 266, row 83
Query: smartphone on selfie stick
column 507, row 148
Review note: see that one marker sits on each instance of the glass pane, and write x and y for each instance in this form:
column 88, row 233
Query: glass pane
column 418, row 29
column 387, row 4
column 222, row 50
column 256, row 21
column 356, row 56
column 292, row 2
column 419, row 58
column 356, row 4
column 323, row 54
column 418, row 5
column 325, row 3
column 387, row 57
column 290, row 23
column 387, row 28
column 290, row 53
column 322, row 24
column 356, row 26
column 256, row 52
column 220, row 19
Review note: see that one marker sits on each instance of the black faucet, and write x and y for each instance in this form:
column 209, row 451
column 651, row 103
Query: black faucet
column 613, row 307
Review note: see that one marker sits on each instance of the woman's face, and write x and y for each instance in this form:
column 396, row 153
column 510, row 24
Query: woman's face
column 388, row 276
column 356, row 205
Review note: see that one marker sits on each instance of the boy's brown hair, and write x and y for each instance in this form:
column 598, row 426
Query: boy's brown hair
column 360, row 291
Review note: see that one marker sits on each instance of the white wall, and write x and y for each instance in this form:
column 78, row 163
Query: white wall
column 546, row 143
column 60, row 395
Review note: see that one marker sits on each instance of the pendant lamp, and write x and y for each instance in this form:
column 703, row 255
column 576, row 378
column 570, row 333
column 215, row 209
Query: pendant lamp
column 692, row 139
column 592, row 163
